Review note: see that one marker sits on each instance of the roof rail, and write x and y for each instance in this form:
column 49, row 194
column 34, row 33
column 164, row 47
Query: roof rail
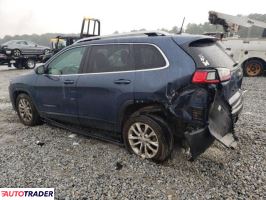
column 138, row 33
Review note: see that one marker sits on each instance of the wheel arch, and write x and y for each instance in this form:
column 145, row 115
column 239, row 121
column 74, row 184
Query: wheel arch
column 15, row 95
column 254, row 58
column 132, row 108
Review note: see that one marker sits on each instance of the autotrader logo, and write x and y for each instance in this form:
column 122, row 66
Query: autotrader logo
column 27, row 193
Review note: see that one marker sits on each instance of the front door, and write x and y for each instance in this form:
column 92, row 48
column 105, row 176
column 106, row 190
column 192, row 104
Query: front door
column 56, row 89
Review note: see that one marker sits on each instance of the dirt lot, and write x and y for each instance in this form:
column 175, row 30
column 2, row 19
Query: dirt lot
column 82, row 168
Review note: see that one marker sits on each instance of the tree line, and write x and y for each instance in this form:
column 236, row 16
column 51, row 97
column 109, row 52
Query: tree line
column 192, row 28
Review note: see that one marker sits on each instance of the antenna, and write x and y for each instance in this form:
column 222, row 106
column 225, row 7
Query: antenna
column 182, row 26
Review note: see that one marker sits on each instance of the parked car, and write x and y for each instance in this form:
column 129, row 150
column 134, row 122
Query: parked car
column 3, row 58
column 22, row 47
column 146, row 90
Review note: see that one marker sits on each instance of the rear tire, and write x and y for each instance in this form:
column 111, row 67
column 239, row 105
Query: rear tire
column 253, row 68
column 146, row 138
column 26, row 110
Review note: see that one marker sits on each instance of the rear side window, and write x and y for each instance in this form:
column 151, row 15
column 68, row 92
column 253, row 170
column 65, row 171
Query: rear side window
column 208, row 53
column 110, row 58
column 22, row 42
column 147, row 57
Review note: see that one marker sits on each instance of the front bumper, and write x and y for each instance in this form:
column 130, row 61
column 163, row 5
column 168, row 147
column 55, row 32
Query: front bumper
column 11, row 96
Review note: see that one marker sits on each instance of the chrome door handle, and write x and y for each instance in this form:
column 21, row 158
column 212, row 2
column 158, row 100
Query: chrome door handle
column 122, row 81
column 68, row 82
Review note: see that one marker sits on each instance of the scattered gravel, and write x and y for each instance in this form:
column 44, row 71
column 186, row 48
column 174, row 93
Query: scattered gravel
column 82, row 168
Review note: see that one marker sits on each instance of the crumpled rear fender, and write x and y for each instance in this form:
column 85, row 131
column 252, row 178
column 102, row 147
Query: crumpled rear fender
column 208, row 117
column 191, row 105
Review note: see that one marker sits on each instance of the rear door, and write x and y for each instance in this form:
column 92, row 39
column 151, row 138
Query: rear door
column 106, row 85
column 151, row 73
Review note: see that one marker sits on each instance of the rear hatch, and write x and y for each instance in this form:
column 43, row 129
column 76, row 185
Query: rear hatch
column 210, row 54
column 222, row 73
column 207, row 53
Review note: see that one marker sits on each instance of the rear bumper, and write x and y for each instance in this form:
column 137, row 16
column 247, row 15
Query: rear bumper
column 236, row 103
column 198, row 141
column 220, row 125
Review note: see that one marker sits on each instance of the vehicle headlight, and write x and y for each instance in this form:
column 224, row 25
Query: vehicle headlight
column 8, row 52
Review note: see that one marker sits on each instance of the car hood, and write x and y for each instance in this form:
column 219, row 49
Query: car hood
column 43, row 47
column 26, row 78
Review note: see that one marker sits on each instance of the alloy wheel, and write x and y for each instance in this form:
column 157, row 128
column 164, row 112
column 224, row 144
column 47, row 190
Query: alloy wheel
column 143, row 140
column 16, row 52
column 25, row 110
column 30, row 64
column 46, row 52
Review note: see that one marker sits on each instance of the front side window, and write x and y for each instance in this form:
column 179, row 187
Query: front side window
column 110, row 58
column 67, row 62
column 148, row 57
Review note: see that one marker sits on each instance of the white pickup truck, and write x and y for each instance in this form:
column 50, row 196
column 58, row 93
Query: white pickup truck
column 249, row 52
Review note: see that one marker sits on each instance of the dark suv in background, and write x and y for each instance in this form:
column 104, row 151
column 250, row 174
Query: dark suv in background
column 145, row 89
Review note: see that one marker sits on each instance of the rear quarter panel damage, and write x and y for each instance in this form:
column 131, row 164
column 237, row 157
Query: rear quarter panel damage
column 207, row 115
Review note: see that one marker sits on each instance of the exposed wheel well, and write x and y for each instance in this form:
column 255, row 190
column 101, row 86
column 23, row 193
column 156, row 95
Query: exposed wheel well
column 135, row 108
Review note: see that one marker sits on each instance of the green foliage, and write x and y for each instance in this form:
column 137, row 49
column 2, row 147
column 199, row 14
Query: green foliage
column 202, row 28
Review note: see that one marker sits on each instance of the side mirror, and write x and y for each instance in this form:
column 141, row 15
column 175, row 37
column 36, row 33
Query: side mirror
column 36, row 45
column 40, row 69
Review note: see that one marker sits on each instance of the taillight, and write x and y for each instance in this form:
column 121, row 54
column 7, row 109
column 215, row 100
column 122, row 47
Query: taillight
column 211, row 76
column 224, row 74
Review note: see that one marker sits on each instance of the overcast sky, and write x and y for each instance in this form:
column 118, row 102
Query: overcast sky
column 65, row 16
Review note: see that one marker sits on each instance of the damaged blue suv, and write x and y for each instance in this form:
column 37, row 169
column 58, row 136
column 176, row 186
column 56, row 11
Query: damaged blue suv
column 146, row 90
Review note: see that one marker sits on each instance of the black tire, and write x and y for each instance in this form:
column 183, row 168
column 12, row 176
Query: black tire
column 253, row 68
column 30, row 63
column 46, row 52
column 164, row 146
column 16, row 53
column 35, row 117
column 18, row 65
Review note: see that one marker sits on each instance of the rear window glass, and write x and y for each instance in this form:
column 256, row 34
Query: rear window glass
column 110, row 58
column 210, row 54
column 147, row 57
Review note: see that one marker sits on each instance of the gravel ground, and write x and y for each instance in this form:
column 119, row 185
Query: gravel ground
column 83, row 168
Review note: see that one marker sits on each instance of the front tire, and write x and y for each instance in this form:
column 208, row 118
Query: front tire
column 46, row 51
column 16, row 53
column 253, row 68
column 30, row 64
column 146, row 138
column 27, row 112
